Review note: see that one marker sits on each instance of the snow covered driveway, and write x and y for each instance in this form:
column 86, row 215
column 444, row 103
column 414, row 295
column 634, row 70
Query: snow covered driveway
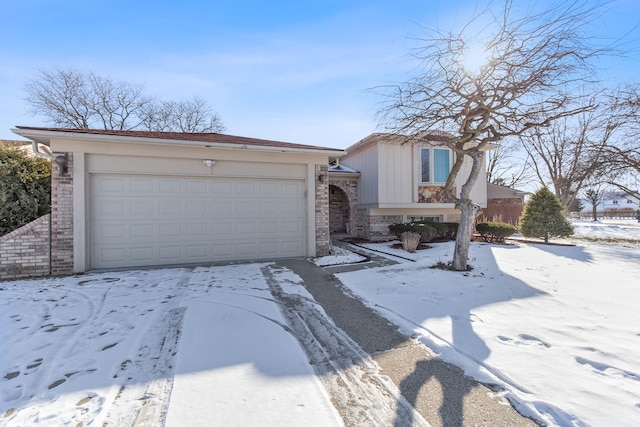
column 181, row 346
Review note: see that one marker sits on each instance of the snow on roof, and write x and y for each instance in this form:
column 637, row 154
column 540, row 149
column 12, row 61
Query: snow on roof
column 337, row 167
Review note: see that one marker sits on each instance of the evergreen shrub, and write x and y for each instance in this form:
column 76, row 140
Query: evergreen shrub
column 495, row 231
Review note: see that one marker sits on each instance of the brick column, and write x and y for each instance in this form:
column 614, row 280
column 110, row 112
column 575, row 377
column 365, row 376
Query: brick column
column 62, row 218
column 323, row 243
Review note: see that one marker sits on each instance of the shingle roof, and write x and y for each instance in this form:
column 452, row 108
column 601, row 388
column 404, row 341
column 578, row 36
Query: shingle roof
column 217, row 138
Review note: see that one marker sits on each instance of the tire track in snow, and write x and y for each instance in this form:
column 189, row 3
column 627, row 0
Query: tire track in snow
column 359, row 392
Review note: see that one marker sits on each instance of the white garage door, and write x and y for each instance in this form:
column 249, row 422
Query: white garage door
column 146, row 221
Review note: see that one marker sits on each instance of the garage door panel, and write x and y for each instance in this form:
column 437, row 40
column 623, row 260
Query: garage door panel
column 222, row 207
column 140, row 254
column 141, row 185
column 169, row 186
column 196, row 187
column 141, row 207
column 291, row 247
column 112, row 185
column 144, row 221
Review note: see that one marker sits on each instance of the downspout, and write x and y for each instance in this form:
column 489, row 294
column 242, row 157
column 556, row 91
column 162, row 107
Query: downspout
column 37, row 152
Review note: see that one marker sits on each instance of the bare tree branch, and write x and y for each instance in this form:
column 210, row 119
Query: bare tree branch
column 536, row 66
column 75, row 99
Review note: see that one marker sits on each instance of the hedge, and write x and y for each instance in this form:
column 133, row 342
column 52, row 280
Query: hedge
column 429, row 231
column 495, row 231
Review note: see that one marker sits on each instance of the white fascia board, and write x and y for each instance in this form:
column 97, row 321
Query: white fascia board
column 45, row 137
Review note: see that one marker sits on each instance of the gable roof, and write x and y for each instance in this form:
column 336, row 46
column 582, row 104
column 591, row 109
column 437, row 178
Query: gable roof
column 45, row 134
column 433, row 137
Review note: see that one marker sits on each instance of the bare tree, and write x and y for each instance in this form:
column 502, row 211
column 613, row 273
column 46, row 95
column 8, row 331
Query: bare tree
column 193, row 115
column 572, row 152
column 504, row 167
column 532, row 65
column 595, row 196
column 85, row 100
column 592, row 148
column 624, row 158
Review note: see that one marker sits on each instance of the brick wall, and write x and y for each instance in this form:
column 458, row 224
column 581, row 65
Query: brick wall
column 375, row 227
column 379, row 226
column 323, row 243
column 25, row 252
column 349, row 188
column 62, row 218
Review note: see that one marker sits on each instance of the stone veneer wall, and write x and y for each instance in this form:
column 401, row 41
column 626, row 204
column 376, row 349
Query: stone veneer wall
column 323, row 244
column 62, row 218
column 25, row 252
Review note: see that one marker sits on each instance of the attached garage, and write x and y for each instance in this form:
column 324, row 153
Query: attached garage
column 124, row 199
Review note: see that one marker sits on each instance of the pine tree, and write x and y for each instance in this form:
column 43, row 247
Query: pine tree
column 543, row 218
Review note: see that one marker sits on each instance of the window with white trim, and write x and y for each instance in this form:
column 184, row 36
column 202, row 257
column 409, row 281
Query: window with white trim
column 435, row 165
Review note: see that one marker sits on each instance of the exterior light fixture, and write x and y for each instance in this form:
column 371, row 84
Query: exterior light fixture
column 62, row 160
column 209, row 162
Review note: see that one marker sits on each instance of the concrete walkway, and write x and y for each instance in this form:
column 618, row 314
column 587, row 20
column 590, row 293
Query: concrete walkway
column 438, row 393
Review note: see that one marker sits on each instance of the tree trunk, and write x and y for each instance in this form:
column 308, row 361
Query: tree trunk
column 595, row 211
column 469, row 212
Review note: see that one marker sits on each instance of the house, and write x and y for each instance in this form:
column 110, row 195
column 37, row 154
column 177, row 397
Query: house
column 26, row 146
column 614, row 204
column 382, row 180
column 504, row 204
column 125, row 199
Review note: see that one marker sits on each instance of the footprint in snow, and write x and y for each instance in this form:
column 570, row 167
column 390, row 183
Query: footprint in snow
column 524, row 339
column 12, row 375
column 608, row 370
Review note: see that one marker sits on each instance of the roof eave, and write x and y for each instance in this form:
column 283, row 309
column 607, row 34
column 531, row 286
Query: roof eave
column 45, row 137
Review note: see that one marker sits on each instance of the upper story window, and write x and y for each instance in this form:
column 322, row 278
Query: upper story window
column 435, row 165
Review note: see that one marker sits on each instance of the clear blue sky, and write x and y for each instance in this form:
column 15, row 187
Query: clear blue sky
column 293, row 71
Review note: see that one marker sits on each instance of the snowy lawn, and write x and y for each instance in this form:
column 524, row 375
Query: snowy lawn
column 557, row 327
column 103, row 349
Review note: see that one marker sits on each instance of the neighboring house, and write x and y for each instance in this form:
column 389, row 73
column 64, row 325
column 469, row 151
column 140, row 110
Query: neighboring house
column 613, row 204
column 27, row 146
column 382, row 181
column 504, row 204
column 132, row 199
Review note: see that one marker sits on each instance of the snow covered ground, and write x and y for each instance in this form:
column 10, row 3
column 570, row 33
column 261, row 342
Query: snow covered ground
column 556, row 327
column 101, row 349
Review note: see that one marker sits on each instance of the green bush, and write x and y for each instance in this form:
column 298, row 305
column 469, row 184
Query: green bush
column 427, row 233
column 543, row 218
column 25, row 188
column 451, row 230
column 495, row 231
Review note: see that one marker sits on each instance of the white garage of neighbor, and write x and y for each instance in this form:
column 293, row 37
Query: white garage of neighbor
column 126, row 199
